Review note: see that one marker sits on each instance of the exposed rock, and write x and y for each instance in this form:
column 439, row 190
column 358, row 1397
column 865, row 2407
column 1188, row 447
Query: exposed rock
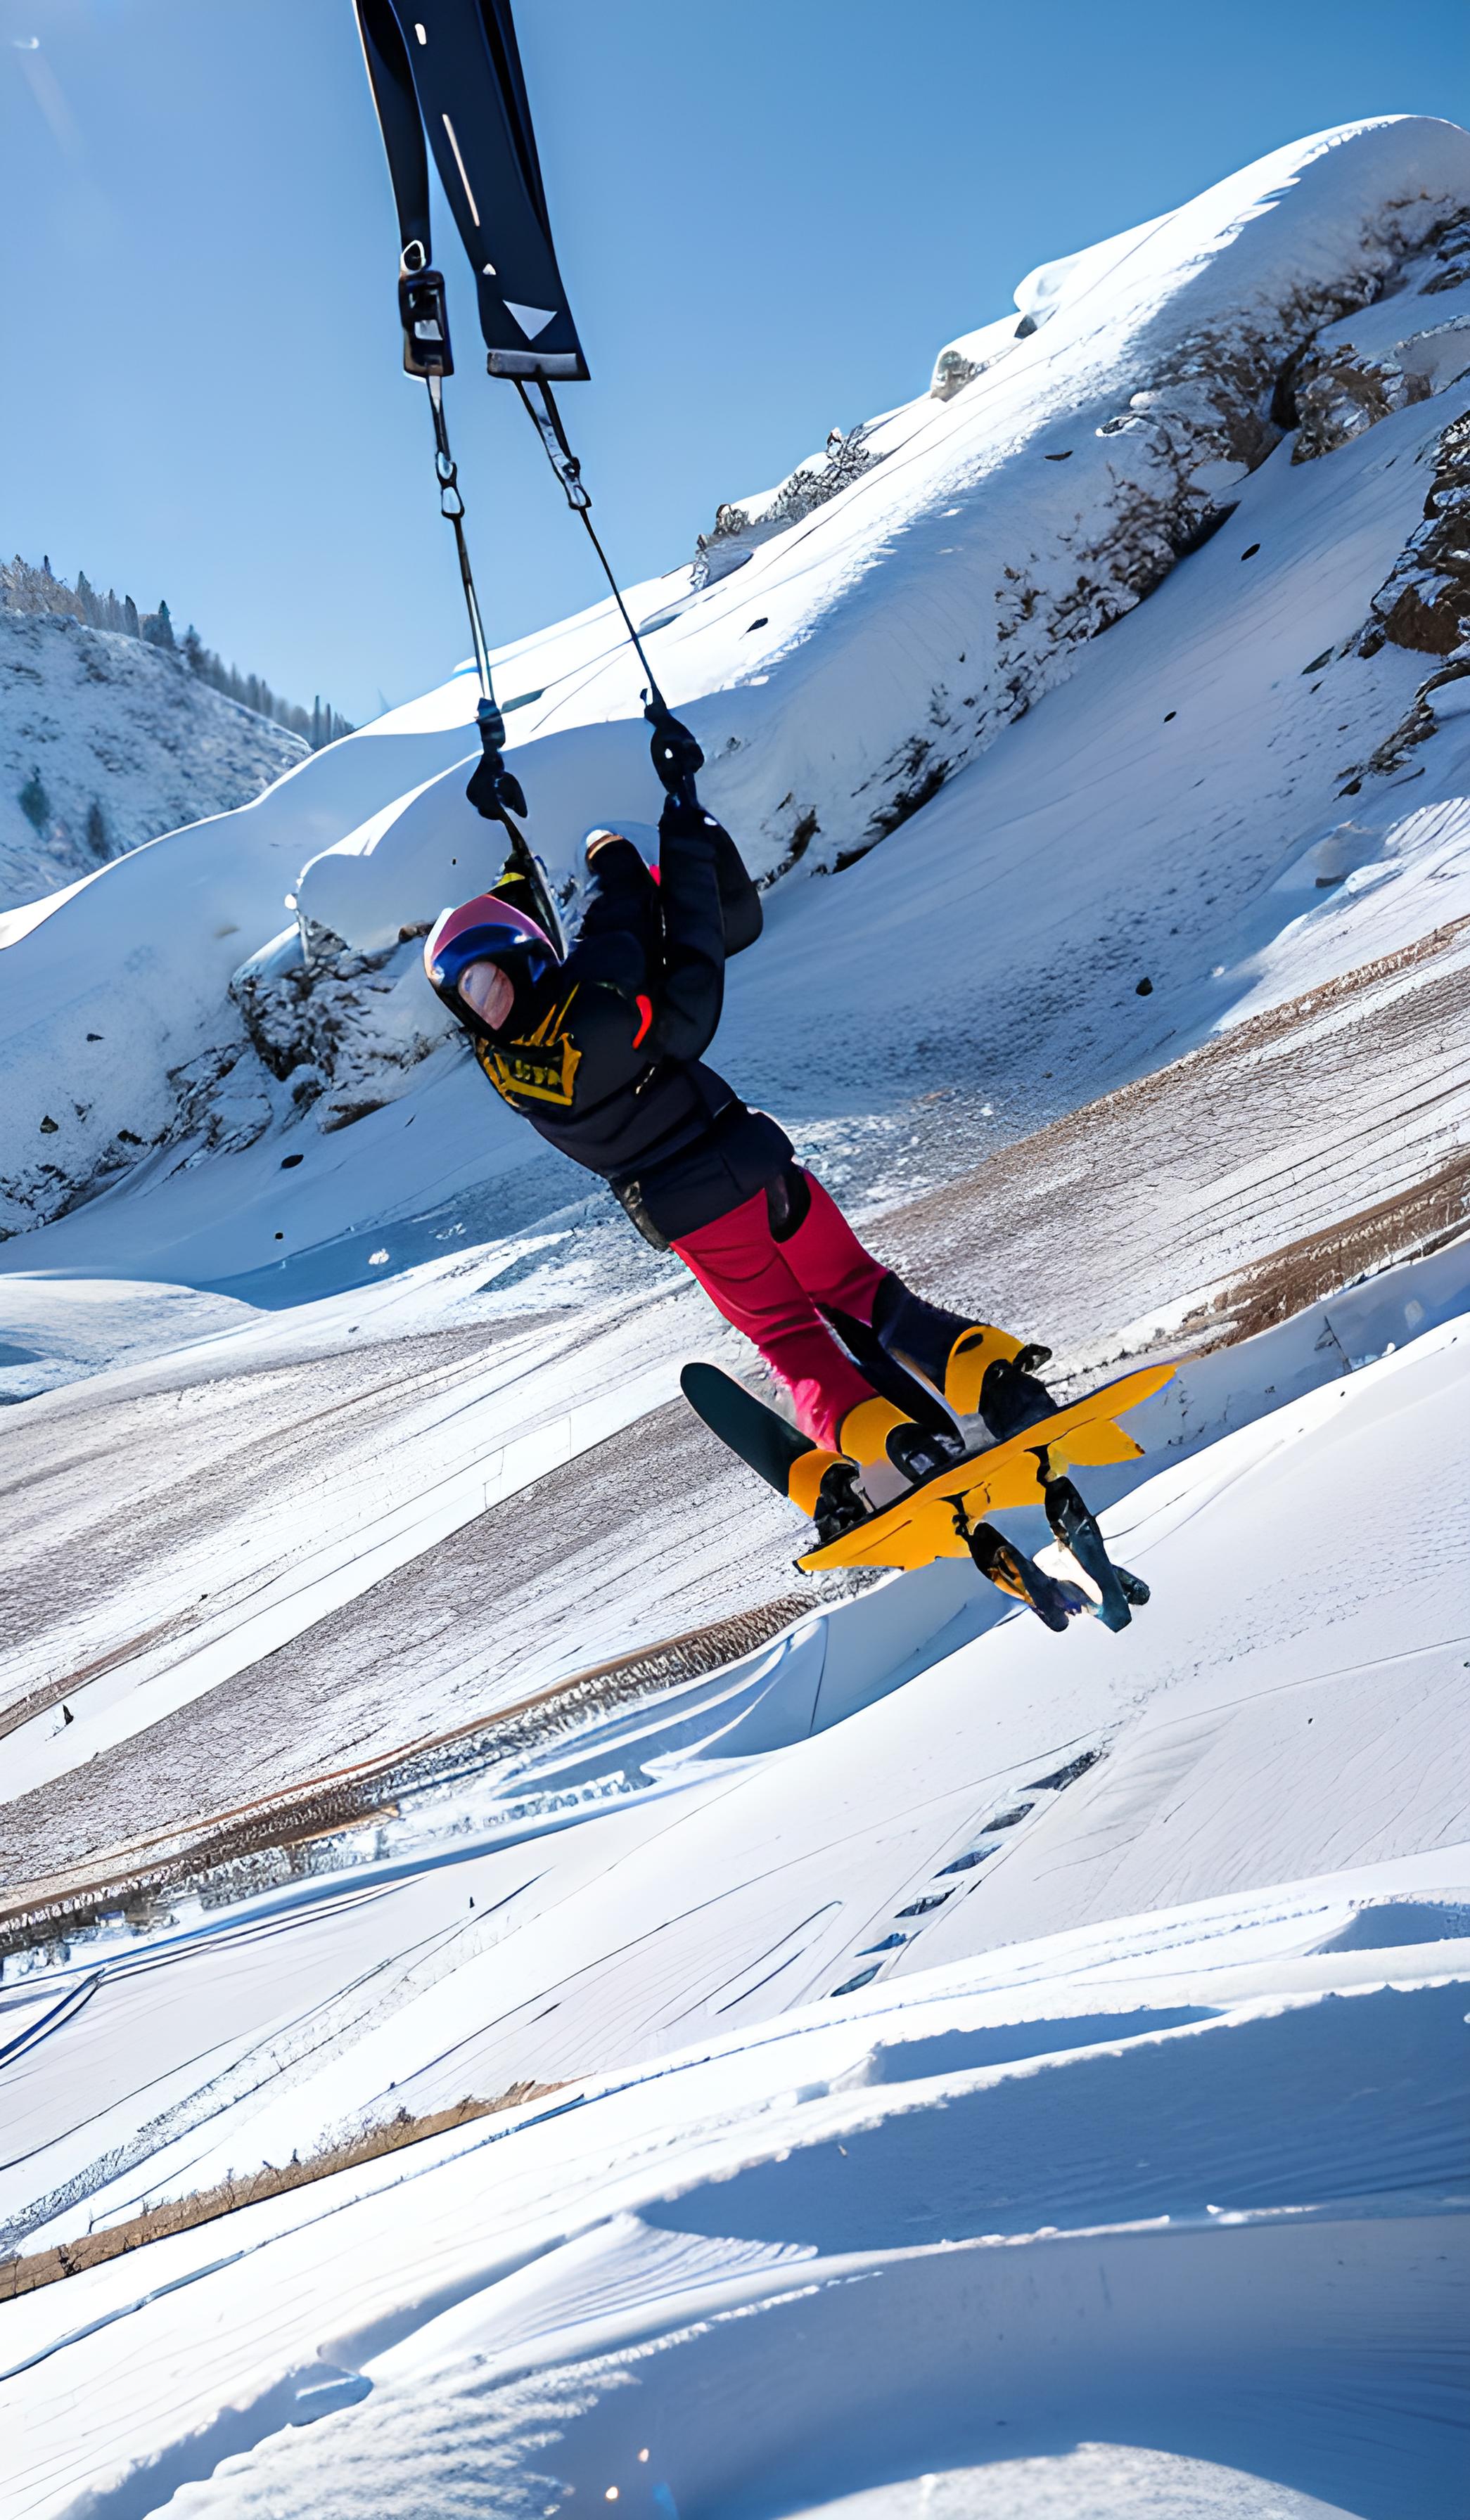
column 1346, row 396
column 952, row 370
column 971, row 355
column 1424, row 604
column 1396, row 350
column 1425, row 601
column 224, row 1104
column 342, row 1031
column 741, row 528
column 1449, row 258
column 1430, row 618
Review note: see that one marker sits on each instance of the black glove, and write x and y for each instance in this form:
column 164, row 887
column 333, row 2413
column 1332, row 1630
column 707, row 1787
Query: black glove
column 494, row 791
column 676, row 755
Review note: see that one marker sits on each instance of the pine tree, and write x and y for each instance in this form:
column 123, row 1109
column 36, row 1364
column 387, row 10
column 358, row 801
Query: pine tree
column 25, row 589
column 96, row 831
column 35, row 803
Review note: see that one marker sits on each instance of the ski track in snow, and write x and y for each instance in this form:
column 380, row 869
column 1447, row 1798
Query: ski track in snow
column 995, row 2074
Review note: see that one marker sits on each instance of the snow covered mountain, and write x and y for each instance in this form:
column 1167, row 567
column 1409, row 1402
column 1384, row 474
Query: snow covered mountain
column 105, row 741
column 919, row 2065
column 872, row 645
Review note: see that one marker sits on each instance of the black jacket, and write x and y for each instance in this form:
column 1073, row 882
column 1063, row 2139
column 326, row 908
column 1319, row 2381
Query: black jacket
column 603, row 1057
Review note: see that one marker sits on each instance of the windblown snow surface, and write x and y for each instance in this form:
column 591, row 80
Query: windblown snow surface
column 953, row 2070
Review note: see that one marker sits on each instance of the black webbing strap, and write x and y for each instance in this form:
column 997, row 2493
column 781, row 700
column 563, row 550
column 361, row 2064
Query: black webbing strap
column 390, row 78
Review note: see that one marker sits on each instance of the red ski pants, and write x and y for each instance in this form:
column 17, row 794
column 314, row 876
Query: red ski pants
column 770, row 1290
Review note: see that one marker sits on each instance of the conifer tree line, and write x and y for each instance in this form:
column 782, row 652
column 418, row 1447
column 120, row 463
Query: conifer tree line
column 26, row 589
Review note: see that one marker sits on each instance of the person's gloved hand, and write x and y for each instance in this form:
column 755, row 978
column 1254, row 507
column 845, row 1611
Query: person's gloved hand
column 494, row 791
column 675, row 755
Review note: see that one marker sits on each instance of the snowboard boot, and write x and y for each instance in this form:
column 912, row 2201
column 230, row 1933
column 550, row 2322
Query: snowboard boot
column 1011, row 1571
column 955, row 1355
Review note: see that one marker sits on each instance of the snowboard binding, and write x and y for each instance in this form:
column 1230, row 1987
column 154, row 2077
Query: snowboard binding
column 1011, row 1398
column 840, row 1503
column 917, row 1452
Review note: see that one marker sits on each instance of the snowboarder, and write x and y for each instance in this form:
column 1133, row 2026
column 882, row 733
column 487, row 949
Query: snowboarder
column 602, row 1052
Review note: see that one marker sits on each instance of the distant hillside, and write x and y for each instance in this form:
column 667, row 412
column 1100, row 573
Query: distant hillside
column 106, row 741
column 124, row 731
column 26, row 589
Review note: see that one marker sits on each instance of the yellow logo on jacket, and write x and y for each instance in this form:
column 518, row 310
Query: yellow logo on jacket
column 541, row 1069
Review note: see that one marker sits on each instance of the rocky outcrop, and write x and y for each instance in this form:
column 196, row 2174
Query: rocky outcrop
column 739, row 527
column 1424, row 603
column 340, row 1035
column 1048, row 501
column 342, row 1032
column 1410, row 342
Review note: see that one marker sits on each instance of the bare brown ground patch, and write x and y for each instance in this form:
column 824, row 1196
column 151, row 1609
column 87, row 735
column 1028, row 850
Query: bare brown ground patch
column 521, row 1599
column 79, row 1483
column 133, row 1877
column 1419, row 1221
column 1287, row 1080
column 27, row 2274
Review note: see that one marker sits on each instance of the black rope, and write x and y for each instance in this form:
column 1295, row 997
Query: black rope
column 494, row 791
column 549, row 427
column 452, row 508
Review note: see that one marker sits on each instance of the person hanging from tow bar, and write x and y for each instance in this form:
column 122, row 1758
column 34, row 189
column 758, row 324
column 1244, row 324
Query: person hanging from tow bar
column 601, row 1049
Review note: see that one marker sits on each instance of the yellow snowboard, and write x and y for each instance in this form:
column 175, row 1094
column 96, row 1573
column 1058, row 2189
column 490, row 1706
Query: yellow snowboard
column 920, row 1525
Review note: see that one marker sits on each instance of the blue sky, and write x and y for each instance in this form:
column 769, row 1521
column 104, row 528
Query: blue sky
column 769, row 215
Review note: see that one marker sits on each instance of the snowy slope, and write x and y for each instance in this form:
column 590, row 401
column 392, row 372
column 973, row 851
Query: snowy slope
column 998, row 2073
column 1182, row 790
column 116, row 728
column 770, row 1835
column 726, row 2287
column 1097, row 2075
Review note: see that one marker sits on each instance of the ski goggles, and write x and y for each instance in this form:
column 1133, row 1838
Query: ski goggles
column 483, row 930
